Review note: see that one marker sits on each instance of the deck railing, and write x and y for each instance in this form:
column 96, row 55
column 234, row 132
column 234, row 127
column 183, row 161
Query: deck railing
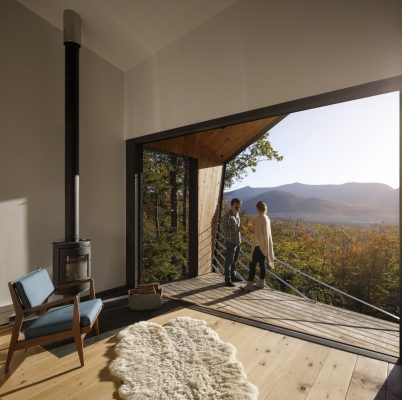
column 218, row 265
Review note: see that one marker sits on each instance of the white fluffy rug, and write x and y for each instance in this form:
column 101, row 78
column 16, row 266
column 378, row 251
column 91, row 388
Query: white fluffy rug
column 182, row 360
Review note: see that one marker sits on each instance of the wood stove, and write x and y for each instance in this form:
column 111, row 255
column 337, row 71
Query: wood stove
column 72, row 262
column 72, row 256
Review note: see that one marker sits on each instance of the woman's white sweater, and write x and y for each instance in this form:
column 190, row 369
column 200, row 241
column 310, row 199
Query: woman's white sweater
column 263, row 236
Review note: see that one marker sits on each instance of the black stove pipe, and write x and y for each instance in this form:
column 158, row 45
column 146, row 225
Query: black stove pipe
column 72, row 43
column 71, row 257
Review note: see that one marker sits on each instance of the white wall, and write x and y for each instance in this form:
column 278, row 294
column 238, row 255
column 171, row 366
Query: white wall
column 263, row 52
column 32, row 151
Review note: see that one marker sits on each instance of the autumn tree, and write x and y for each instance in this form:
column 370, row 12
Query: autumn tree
column 261, row 150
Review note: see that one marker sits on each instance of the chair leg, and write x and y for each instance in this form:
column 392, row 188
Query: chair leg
column 96, row 326
column 13, row 341
column 80, row 347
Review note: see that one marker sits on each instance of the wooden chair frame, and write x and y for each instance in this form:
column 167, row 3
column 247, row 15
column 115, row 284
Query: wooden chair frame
column 77, row 332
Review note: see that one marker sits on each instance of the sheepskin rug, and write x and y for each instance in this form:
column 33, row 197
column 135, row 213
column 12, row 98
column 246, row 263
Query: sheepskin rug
column 182, row 360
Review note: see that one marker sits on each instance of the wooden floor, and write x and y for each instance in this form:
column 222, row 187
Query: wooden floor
column 290, row 311
column 284, row 368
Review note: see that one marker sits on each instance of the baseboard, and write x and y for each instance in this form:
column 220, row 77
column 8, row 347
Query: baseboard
column 114, row 292
column 5, row 313
column 109, row 293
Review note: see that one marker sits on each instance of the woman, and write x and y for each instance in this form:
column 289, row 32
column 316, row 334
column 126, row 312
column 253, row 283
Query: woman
column 263, row 246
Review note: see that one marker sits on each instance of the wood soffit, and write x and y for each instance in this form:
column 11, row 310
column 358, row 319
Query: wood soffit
column 216, row 146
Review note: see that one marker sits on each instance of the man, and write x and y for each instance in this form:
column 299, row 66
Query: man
column 231, row 226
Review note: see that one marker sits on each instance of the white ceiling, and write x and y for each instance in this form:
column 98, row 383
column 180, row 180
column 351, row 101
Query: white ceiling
column 126, row 32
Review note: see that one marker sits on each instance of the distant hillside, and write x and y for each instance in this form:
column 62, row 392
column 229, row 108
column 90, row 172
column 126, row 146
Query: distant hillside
column 357, row 203
column 376, row 195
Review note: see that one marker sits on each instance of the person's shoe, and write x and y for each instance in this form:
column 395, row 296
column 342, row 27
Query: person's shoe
column 236, row 279
column 261, row 283
column 248, row 287
column 229, row 284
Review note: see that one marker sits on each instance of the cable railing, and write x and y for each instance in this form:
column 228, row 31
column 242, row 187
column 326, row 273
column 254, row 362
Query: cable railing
column 244, row 266
column 222, row 268
column 220, row 242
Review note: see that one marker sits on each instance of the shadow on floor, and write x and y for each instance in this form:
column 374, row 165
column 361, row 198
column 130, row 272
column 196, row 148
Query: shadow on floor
column 236, row 293
column 23, row 387
column 199, row 290
column 392, row 386
column 114, row 316
column 104, row 374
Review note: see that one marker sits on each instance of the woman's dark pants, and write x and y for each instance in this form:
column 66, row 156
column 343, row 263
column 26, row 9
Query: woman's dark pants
column 259, row 258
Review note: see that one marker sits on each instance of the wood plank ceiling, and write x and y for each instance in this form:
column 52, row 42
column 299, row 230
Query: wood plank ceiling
column 216, row 146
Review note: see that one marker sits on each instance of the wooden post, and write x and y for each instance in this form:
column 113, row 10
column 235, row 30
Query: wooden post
column 193, row 218
column 218, row 224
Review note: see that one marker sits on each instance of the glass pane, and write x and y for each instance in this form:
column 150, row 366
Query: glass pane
column 76, row 267
column 166, row 206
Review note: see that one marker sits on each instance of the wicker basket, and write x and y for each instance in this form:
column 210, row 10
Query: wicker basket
column 145, row 297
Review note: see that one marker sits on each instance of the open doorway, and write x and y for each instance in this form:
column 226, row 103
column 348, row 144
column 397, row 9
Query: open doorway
column 211, row 145
column 336, row 230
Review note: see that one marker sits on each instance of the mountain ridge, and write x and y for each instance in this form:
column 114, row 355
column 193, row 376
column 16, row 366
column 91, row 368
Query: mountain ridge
column 352, row 202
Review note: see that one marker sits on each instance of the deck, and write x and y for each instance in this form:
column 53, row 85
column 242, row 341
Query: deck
column 291, row 312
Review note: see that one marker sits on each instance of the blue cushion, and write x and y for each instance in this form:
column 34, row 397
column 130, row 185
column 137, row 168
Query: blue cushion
column 34, row 288
column 60, row 319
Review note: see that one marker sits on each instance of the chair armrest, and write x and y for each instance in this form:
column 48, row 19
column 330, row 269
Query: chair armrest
column 76, row 324
column 75, row 283
column 45, row 306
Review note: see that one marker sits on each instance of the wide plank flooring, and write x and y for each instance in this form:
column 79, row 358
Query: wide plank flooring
column 284, row 368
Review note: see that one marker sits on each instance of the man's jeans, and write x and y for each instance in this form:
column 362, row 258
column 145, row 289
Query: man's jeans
column 232, row 255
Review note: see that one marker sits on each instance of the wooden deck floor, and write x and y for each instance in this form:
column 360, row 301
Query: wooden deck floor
column 291, row 312
column 283, row 368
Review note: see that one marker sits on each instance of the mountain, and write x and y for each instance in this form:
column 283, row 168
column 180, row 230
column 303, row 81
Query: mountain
column 353, row 203
column 370, row 194
column 246, row 192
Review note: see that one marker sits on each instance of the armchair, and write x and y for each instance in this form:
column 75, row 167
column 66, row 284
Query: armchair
column 57, row 320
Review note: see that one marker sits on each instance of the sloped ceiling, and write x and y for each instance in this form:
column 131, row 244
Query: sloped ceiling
column 214, row 147
column 126, row 32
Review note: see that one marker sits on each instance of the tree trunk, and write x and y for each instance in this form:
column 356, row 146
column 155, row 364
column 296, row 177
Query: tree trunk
column 157, row 220
column 185, row 189
column 173, row 194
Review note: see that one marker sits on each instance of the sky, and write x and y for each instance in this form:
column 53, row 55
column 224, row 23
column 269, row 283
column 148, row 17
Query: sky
column 354, row 141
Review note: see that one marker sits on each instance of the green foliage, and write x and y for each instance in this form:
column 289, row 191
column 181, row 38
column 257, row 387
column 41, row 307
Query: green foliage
column 260, row 150
column 165, row 259
column 362, row 261
column 165, row 246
